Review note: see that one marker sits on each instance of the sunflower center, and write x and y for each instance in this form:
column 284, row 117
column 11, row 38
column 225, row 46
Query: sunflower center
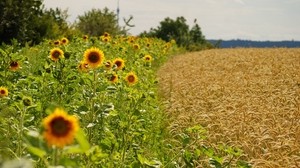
column 14, row 64
column 60, row 127
column 94, row 57
column 118, row 63
column 107, row 64
column 56, row 54
column 2, row 92
column 131, row 78
column 113, row 77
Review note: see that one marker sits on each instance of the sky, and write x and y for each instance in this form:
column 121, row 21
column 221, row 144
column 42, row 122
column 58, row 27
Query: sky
column 261, row 20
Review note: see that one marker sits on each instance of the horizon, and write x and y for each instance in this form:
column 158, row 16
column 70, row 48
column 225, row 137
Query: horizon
column 256, row 20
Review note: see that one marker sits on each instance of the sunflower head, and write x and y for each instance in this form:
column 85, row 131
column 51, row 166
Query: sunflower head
column 85, row 37
column 83, row 66
column 131, row 78
column 56, row 43
column 147, row 58
column 56, row 54
column 60, row 128
column 119, row 63
column 27, row 101
column 64, row 41
column 108, row 64
column 136, row 46
column 106, row 39
column 106, row 34
column 14, row 65
column 3, row 91
column 94, row 57
column 113, row 78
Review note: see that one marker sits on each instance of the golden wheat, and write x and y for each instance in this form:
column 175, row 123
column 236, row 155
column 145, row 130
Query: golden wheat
column 248, row 98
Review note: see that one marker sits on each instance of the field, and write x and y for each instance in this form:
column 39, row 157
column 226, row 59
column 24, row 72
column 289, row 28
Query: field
column 244, row 98
column 129, row 102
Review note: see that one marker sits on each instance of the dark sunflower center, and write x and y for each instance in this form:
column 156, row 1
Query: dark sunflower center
column 2, row 92
column 148, row 58
column 14, row 64
column 113, row 77
column 108, row 64
column 56, row 42
column 94, row 57
column 56, row 54
column 131, row 78
column 118, row 63
column 60, row 127
column 64, row 41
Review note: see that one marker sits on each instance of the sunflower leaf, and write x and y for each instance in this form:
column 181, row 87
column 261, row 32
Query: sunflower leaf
column 83, row 142
column 36, row 151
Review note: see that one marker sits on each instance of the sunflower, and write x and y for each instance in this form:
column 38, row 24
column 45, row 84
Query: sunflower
column 119, row 62
column 113, row 78
column 60, row 128
column 105, row 39
column 57, row 42
column 3, row 91
column 94, row 57
column 56, row 54
column 131, row 78
column 148, row 58
column 108, row 64
column 83, row 67
column 85, row 37
column 64, row 41
column 136, row 46
column 106, row 34
column 14, row 65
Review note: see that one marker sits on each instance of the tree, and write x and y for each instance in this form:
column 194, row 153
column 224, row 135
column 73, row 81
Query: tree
column 16, row 19
column 191, row 39
column 96, row 22
column 26, row 20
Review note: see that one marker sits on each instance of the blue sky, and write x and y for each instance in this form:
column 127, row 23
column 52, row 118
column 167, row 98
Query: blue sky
column 218, row 19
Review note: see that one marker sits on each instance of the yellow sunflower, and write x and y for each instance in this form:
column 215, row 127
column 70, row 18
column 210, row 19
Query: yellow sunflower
column 60, row 128
column 136, row 46
column 113, row 78
column 119, row 62
column 94, row 57
column 131, row 78
column 64, row 41
column 56, row 54
column 14, row 65
column 106, row 39
column 106, row 34
column 3, row 91
column 108, row 64
column 85, row 37
column 83, row 67
column 148, row 58
column 57, row 42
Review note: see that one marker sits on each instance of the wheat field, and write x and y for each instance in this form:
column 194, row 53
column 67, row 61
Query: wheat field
column 247, row 98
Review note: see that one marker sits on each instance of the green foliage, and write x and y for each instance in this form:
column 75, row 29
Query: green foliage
column 96, row 22
column 178, row 30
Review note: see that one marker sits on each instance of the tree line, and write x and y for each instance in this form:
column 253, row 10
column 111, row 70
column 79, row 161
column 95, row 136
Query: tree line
column 29, row 22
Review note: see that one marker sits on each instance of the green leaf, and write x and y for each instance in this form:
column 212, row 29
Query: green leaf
column 74, row 149
column 36, row 151
column 83, row 142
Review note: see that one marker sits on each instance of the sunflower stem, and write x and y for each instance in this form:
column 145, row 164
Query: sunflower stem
column 21, row 125
column 55, row 156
